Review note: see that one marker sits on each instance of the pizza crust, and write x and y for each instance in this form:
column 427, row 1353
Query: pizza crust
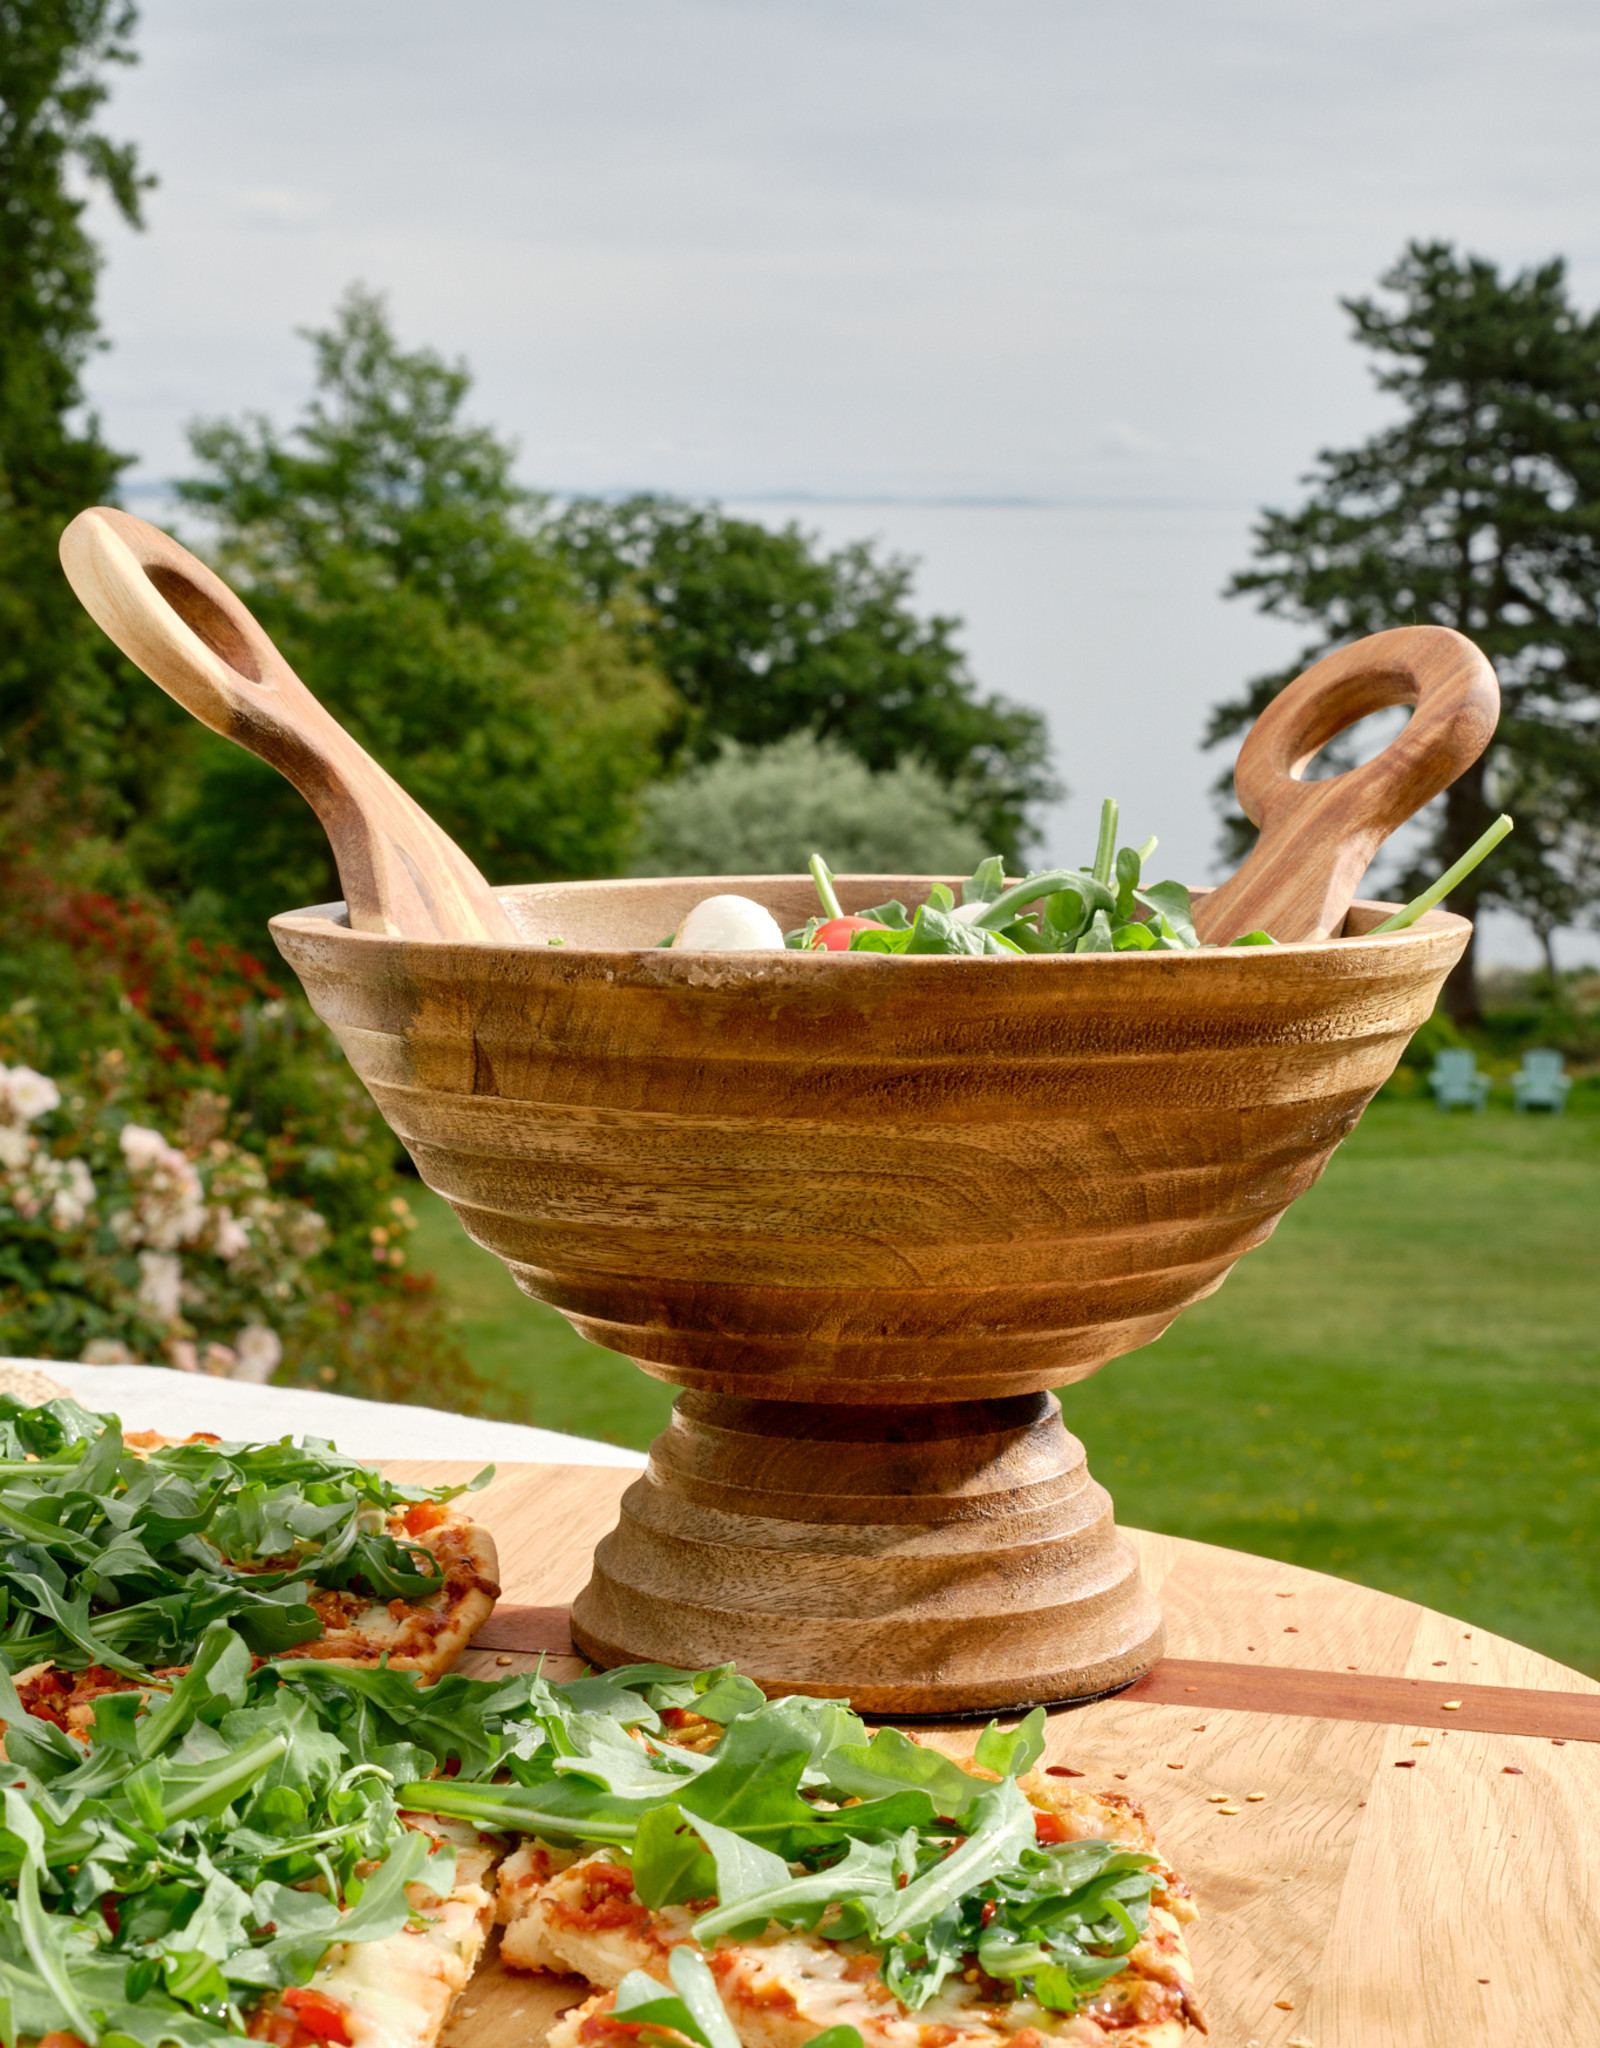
column 426, row 1636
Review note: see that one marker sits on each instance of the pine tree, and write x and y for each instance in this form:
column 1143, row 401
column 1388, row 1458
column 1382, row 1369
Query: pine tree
column 61, row 710
column 1479, row 509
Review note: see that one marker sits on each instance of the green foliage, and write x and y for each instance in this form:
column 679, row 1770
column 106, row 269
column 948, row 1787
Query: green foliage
column 1524, row 1010
column 62, row 716
column 761, row 810
column 762, row 635
column 1436, row 1036
column 1479, row 508
column 386, row 547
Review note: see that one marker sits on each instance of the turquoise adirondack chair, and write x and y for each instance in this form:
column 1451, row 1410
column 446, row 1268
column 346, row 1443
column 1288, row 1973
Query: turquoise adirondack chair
column 1542, row 1082
column 1455, row 1080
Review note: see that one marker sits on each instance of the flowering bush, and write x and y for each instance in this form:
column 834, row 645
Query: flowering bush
column 189, row 1171
column 120, row 1245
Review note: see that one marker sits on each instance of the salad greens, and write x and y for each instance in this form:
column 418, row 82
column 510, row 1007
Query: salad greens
column 1106, row 907
column 221, row 1826
column 203, row 1850
column 110, row 1558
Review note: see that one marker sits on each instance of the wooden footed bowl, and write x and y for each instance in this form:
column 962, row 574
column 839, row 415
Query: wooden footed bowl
column 868, row 1212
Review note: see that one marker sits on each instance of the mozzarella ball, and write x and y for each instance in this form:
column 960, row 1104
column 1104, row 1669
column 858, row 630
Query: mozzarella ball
column 729, row 924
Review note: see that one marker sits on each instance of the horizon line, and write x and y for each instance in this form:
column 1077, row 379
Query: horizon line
column 975, row 501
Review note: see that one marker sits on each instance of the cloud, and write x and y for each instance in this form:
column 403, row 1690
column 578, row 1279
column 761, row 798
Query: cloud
column 896, row 245
column 277, row 206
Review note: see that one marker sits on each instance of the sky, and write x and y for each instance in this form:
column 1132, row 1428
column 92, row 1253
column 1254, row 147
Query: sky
column 877, row 257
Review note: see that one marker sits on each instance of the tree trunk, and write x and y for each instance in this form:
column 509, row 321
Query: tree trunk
column 1461, row 1004
column 1466, row 817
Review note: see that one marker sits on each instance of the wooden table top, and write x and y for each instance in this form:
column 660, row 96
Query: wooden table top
column 1421, row 1883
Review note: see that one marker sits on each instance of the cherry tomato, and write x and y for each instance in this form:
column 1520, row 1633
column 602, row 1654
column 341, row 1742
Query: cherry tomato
column 1049, row 1827
column 426, row 1515
column 319, row 2014
column 836, row 934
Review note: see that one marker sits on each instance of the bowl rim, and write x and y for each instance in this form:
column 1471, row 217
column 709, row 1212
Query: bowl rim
column 325, row 921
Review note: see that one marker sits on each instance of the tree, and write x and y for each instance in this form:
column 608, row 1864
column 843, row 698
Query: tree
column 387, row 548
column 1479, row 509
column 63, row 718
column 766, row 810
column 761, row 635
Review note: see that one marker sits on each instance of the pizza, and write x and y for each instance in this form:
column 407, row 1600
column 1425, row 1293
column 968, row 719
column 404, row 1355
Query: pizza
column 308, row 1553
column 425, row 1633
column 781, row 1988
column 304, row 1828
column 396, row 1992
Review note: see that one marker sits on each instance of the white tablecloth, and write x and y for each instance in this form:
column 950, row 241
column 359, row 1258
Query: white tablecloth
column 154, row 1397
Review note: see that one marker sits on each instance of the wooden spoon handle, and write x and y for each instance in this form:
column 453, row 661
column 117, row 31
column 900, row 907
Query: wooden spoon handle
column 185, row 628
column 1318, row 838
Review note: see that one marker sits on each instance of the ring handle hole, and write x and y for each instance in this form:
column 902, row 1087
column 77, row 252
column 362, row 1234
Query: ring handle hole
column 1358, row 744
column 206, row 618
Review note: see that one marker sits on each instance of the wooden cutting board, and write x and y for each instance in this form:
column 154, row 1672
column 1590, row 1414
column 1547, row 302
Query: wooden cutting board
column 1425, row 1883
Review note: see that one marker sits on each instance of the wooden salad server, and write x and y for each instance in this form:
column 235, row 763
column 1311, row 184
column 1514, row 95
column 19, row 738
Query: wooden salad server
column 1318, row 838
column 179, row 622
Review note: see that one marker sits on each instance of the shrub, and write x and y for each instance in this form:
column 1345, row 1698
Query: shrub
column 1435, row 1036
column 186, row 1157
column 120, row 1245
column 765, row 810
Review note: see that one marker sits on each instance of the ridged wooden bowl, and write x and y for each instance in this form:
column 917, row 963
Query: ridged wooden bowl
column 869, row 1211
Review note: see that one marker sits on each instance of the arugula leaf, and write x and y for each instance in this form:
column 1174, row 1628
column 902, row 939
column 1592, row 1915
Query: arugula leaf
column 565, row 1809
column 1172, row 901
column 1015, row 1751
column 216, row 1678
column 39, row 1930
column 691, row 2008
column 669, row 1862
column 892, row 1762
column 744, row 1869
column 893, row 914
column 1097, row 938
column 1002, row 1826
column 866, row 1871
column 987, row 885
column 729, row 1695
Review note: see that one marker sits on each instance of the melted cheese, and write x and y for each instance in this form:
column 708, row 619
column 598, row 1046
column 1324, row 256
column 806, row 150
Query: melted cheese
column 399, row 1991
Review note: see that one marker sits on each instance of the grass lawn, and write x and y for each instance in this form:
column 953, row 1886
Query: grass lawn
column 1399, row 1387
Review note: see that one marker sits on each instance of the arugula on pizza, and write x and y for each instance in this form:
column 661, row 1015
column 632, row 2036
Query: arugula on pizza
column 117, row 1553
column 243, row 1798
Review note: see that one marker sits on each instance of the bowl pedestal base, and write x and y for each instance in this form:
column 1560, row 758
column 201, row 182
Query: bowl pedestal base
column 946, row 1559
